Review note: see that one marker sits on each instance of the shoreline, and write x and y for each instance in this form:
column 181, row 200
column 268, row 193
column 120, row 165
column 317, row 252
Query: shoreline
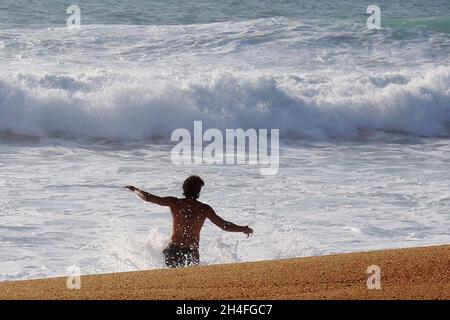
column 412, row 273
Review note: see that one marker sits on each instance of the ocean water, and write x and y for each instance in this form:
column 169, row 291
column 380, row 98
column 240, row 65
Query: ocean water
column 364, row 120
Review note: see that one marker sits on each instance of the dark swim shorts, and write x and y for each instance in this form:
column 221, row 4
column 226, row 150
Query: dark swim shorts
column 177, row 256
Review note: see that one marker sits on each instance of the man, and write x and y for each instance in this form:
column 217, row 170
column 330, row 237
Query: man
column 188, row 215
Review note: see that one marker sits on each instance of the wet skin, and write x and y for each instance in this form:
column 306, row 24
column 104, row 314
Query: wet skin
column 189, row 215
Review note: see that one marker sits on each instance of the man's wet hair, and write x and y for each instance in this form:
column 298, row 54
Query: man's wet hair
column 192, row 187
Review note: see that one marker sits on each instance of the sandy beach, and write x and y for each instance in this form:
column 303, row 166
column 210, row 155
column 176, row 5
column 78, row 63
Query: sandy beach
column 414, row 273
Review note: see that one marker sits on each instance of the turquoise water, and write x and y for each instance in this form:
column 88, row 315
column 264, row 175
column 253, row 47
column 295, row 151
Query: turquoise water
column 40, row 14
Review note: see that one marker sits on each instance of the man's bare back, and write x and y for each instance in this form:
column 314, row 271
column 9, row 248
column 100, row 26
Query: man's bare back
column 188, row 216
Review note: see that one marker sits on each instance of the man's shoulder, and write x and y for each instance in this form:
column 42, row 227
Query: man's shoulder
column 172, row 198
column 205, row 206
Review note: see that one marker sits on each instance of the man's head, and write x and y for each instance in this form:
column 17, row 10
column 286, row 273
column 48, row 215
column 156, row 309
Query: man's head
column 192, row 187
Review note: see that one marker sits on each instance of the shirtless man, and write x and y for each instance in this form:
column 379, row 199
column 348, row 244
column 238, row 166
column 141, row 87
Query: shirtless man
column 188, row 215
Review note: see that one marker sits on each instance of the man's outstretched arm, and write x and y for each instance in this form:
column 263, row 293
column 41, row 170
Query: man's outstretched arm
column 226, row 225
column 146, row 196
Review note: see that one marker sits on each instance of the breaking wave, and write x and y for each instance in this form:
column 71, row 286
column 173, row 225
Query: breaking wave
column 301, row 106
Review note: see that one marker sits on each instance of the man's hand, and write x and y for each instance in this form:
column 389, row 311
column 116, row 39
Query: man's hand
column 141, row 194
column 248, row 231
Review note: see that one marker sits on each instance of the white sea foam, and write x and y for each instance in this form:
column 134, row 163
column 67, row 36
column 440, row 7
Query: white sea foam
column 310, row 80
column 326, row 81
column 303, row 106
